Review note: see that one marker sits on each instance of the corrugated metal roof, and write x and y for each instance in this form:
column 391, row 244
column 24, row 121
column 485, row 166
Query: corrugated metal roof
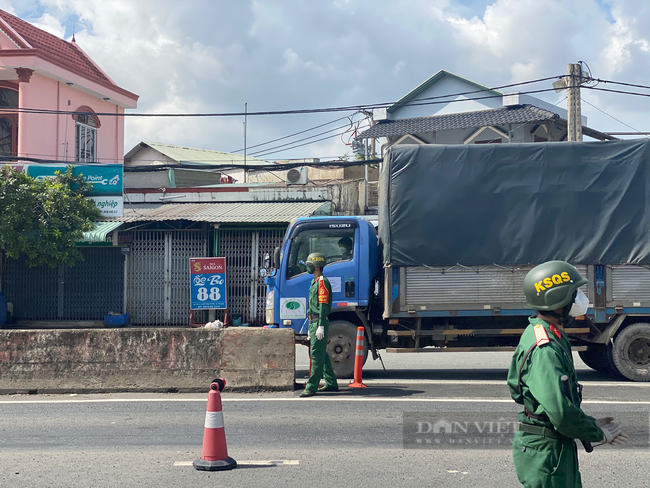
column 184, row 154
column 220, row 212
column 99, row 233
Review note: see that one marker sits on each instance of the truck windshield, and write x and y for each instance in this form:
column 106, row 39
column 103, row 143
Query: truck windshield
column 335, row 244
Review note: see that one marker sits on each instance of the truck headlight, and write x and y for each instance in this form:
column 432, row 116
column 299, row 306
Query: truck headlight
column 270, row 307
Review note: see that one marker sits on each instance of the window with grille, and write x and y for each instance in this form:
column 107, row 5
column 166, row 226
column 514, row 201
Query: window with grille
column 8, row 122
column 86, row 138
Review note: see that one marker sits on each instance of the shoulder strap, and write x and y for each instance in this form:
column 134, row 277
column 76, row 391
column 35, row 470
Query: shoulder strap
column 541, row 339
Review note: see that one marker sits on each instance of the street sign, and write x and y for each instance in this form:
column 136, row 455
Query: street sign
column 207, row 283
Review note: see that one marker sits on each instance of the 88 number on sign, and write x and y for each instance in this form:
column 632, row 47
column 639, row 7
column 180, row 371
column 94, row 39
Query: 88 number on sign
column 203, row 294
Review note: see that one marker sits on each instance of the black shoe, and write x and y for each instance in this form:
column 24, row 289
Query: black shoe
column 307, row 393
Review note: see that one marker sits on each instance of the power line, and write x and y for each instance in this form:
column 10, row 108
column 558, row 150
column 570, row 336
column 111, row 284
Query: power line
column 292, row 135
column 622, row 83
column 427, row 101
column 609, row 115
column 263, row 151
column 305, row 144
column 617, row 91
column 167, row 166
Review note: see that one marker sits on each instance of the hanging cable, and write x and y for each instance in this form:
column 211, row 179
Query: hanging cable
column 292, row 135
column 423, row 101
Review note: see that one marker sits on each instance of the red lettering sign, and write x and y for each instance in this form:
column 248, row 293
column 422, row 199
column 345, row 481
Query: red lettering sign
column 207, row 265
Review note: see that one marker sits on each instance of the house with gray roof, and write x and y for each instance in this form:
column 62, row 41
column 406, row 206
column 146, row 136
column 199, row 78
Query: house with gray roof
column 450, row 109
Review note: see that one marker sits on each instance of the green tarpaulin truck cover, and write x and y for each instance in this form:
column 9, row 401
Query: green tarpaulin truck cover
column 513, row 204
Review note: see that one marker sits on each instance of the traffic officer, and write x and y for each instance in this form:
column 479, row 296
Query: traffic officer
column 319, row 307
column 544, row 450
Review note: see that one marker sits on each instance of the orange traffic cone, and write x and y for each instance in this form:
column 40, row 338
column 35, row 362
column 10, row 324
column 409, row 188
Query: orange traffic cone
column 358, row 361
column 214, row 455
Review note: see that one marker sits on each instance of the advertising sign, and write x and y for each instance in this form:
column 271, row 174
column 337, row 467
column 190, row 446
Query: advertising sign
column 293, row 308
column 207, row 283
column 107, row 181
column 105, row 178
column 109, row 206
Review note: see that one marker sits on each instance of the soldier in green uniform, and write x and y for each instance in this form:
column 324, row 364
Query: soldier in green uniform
column 319, row 307
column 544, row 450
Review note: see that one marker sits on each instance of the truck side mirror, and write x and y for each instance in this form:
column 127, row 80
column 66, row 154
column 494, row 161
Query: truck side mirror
column 276, row 258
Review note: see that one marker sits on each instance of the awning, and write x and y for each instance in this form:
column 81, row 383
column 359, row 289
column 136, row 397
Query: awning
column 100, row 232
column 263, row 212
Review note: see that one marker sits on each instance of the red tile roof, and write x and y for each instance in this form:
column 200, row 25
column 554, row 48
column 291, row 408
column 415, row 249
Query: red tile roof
column 58, row 50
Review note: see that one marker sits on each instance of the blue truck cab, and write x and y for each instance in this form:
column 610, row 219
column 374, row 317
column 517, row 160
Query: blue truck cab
column 351, row 272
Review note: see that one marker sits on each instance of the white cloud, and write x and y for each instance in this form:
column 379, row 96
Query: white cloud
column 50, row 24
column 216, row 55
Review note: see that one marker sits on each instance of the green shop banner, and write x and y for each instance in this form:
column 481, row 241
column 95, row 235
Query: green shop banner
column 107, row 179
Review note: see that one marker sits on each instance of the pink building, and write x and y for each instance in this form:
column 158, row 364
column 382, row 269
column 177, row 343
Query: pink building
column 40, row 71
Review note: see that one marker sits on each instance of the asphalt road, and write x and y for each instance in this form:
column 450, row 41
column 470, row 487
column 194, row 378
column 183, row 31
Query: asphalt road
column 350, row 438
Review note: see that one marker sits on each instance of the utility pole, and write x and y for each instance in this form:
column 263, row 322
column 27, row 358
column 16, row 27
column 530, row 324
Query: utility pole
column 571, row 83
column 574, row 102
column 245, row 121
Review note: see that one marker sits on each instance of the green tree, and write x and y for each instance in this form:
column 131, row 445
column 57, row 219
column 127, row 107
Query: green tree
column 42, row 220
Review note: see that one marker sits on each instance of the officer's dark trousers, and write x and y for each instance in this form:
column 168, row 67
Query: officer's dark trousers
column 542, row 462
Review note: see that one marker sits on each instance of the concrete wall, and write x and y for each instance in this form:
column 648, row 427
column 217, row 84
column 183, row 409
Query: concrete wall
column 145, row 359
column 348, row 197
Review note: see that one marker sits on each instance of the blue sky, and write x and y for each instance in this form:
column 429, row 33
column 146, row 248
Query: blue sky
column 216, row 55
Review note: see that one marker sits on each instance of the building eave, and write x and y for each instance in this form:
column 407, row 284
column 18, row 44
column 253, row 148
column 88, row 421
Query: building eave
column 35, row 54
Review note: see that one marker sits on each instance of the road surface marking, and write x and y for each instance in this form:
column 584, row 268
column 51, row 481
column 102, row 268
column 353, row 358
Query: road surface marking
column 284, row 462
column 337, row 398
column 379, row 381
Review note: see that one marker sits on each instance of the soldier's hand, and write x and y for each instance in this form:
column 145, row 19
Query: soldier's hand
column 604, row 421
column 620, row 439
column 320, row 332
column 613, row 433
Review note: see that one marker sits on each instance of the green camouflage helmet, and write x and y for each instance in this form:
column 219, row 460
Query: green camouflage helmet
column 317, row 260
column 551, row 285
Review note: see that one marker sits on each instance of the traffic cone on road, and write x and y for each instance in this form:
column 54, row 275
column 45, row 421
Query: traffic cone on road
column 358, row 361
column 214, row 455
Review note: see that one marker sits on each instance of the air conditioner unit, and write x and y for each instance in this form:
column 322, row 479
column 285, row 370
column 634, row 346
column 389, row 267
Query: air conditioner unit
column 297, row 176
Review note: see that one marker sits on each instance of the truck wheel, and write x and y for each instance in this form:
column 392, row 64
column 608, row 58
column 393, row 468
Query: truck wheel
column 612, row 370
column 631, row 352
column 594, row 357
column 341, row 346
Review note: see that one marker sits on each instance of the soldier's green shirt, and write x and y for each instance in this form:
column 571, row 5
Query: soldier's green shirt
column 320, row 299
column 541, row 388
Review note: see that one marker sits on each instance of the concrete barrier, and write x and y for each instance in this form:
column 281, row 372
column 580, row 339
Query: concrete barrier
column 145, row 359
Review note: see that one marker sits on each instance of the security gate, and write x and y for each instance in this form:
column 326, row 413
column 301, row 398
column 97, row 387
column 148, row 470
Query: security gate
column 86, row 291
column 244, row 250
column 158, row 291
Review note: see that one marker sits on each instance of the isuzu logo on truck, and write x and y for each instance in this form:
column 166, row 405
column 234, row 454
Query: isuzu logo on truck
column 340, row 226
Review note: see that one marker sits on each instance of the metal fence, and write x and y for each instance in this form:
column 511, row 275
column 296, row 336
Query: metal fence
column 158, row 275
column 86, row 291
column 244, row 250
